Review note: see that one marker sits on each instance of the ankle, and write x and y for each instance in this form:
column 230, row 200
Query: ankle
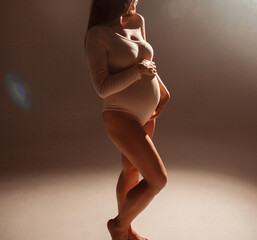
column 121, row 224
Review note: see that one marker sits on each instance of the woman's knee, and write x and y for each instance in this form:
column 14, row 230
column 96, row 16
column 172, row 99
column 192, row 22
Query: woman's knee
column 130, row 170
column 127, row 166
column 159, row 182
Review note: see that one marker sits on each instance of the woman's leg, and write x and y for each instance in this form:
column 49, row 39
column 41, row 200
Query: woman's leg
column 129, row 177
column 131, row 139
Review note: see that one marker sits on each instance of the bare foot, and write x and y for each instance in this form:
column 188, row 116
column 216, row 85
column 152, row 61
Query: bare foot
column 116, row 232
column 133, row 235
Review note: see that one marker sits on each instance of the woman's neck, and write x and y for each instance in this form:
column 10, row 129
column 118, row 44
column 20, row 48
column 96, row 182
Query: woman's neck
column 118, row 22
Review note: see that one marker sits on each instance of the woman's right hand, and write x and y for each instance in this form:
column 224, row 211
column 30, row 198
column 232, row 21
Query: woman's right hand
column 147, row 67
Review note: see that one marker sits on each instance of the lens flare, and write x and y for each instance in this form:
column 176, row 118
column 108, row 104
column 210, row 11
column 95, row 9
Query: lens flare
column 18, row 91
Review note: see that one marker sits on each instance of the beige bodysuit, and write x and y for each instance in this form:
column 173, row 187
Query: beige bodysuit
column 112, row 62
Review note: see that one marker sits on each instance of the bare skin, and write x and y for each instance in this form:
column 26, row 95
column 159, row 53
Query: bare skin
column 133, row 141
column 129, row 178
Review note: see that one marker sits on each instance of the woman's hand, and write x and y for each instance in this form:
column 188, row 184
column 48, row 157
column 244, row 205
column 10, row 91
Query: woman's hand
column 147, row 67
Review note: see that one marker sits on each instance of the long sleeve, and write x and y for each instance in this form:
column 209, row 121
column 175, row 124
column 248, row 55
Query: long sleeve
column 104, row 83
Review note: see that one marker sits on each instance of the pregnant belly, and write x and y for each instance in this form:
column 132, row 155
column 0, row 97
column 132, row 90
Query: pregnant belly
column 140, row 97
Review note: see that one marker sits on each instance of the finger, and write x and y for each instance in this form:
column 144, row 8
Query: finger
column 146, row 63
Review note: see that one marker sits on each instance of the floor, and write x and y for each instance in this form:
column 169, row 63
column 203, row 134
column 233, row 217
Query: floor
column 76, row 206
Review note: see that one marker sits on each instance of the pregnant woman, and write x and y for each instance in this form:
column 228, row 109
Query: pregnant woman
column 123, row 74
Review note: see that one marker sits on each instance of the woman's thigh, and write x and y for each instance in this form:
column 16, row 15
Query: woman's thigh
column 149, row 128
column 133, row 141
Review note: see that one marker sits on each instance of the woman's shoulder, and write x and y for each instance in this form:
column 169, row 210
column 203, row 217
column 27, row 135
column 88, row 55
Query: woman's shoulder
column 96, row 32
column 140, row 17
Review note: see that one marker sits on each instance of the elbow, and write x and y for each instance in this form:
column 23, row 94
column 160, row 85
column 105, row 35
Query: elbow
column 101, row 92
column 168, row 93
column 102, row 89
column 168, row 96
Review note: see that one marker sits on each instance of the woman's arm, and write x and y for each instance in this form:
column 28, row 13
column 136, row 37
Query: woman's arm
column 142, row 23
column 164, row 99
column 164, row 91
column 105, row 83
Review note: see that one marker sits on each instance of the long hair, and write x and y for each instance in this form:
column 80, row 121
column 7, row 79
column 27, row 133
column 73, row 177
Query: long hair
column 106, row 10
